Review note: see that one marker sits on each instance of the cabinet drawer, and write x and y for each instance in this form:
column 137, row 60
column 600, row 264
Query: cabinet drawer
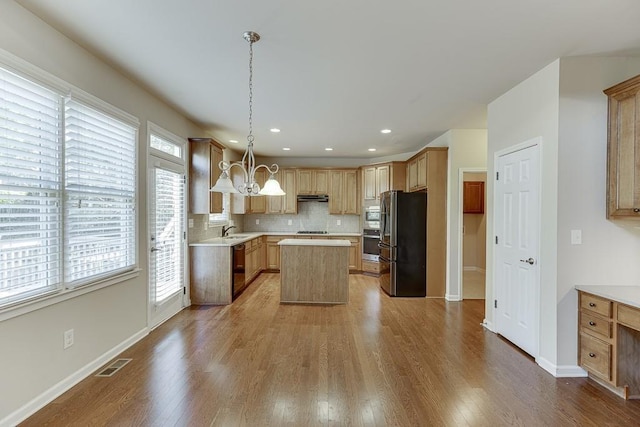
column 595, row 356
column 595, row 325
column 370, row 267
column 596, row 304
column 629, row 316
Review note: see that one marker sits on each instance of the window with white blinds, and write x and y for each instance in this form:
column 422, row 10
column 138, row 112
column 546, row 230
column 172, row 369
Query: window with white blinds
column 67, row 189
column 30, row 189
column 100, row 180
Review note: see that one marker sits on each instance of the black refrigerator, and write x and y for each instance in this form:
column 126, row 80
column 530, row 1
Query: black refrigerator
column 403, row 243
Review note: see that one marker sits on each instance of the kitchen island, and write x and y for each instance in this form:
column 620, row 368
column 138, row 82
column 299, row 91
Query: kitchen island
column 314, row 271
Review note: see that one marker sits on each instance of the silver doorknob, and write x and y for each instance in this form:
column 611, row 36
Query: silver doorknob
column 154, row 249
column 530, row 261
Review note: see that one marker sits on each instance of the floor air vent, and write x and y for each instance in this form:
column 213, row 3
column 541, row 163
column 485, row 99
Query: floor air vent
column 113, row 368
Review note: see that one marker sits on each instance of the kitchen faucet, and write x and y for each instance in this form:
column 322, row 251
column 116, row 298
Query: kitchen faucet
column 225, row 230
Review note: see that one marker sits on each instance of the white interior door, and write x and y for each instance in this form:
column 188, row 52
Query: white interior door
column 167, row 242
column 517, row 228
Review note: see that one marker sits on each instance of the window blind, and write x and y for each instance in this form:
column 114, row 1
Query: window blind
column 30, row 183
column 100, row 179
column 167, row 268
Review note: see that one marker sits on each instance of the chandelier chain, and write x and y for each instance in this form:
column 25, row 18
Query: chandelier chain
column 250, row 136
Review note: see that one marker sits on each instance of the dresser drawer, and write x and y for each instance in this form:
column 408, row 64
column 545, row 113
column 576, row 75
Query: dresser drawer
column 596, row 304
column 629, row 316
column 595, row 356
column 595, row 325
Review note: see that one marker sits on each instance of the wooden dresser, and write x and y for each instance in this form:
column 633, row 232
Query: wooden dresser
column 609, row 336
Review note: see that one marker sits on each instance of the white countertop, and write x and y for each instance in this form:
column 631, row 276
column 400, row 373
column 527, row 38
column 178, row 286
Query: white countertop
column 629, row 295
column 235, row 239
column 313, row 242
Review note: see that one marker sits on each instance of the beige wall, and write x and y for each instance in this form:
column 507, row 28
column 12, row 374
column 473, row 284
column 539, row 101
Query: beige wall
column 34, row 365
column 475, row 233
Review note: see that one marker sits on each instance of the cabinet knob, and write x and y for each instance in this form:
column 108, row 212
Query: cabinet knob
column 592, row 304
column 592, row 323
column 636, row 210
column 592, row 355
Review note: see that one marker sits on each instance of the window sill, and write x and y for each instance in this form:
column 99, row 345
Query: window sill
column 38, row 303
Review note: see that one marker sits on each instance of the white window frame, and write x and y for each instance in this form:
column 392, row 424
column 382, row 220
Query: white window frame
column 30, row 72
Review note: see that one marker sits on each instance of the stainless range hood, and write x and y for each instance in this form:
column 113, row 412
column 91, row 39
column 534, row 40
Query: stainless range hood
column 313, row 198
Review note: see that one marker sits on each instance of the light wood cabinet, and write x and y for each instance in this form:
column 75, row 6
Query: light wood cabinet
column 273, row 252
column 473, row 197
column 205, row 155
column 286, row 204
column 312, row 181
column 253, row 259
column 371, row 267
column 377, row 179
column 623, row 150
column 609, row 343
column 343, row 192
column 210, row 270
column 417, row 172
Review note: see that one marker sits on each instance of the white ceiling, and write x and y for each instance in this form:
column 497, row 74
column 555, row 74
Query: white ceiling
column 334, row 73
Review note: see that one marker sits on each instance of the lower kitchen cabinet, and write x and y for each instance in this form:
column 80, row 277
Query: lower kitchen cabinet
column 211, row 270
column 355, row 252
column 253, row 259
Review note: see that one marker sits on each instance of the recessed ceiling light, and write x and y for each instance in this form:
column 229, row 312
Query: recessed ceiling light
column 328, row 149
column 286, row 149
column 233, row 141
column 372, row 149
column 385, row 131
column 275, row 130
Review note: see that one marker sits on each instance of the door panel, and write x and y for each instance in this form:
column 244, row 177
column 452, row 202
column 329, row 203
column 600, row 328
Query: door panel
column 517, row 230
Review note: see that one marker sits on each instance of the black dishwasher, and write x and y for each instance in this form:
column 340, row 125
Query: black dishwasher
column 237, row 278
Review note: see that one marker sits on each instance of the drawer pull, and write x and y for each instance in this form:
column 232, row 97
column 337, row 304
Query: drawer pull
column 636, row 210
column 592, row 323
column 592, row 304
column 592, row 355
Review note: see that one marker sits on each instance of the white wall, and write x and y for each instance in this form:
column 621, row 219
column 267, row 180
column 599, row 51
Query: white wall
column 610, row 252
column 32, row 357
column 467, row 149
column 527, row 111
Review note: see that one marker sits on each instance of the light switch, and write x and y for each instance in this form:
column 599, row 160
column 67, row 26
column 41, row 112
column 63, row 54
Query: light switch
column 576, row 237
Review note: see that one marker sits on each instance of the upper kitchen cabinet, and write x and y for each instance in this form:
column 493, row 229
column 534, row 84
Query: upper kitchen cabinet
column 313, row 181
column 377, row 179
column 623, row 150
column 473, row 197
column 286, row 204
column 241, row 204
column 343, row 192
column 417, row 172
column 203, row 173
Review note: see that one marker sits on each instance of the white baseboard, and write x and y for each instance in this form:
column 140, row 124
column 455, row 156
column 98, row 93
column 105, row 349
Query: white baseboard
column 561, row 371
column 49, row 395
column 478, row 269
column 450, row 297
column 488, row 325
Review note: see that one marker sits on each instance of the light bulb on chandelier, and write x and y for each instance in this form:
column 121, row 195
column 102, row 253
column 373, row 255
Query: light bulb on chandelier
column 248, row 164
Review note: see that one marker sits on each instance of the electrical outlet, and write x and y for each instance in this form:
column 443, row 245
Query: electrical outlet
column 257, row 222
column 338, row 222
column 190, row 222
column 576, row 237
column 68, row 339
column 206, row 225
column 290, row 222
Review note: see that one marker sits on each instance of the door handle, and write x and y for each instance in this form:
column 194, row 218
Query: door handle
column 155, row 249
column 529, row 261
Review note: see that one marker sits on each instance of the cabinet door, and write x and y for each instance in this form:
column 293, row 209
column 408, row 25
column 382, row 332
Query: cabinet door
column 321, row 182
column 239, row 202
column 275, row 203
column 412, row 175
column 305, row 181
column 290, row 202
column 473, row 197
column 258, row 204
column 350, row 204
column 382, row 180
column 623, row 187
column 335, row 193
column 205, row 154
column 215, row 198
column 369, row 178
column 355, row 256
column 421, row 171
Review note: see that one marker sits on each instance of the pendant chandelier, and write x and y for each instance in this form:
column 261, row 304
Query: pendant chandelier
column 248, row 164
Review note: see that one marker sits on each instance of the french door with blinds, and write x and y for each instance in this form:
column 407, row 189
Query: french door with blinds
column 167, row 238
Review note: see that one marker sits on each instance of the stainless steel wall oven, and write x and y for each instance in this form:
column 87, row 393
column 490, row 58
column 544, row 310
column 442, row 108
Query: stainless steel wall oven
column 370, row 240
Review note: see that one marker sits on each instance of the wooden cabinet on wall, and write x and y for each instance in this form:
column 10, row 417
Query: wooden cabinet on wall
column 312, row 181
column 377, row 179
column 288, row 203
column 343, row 192
column 244, row 204
column 205, row 154
column 417, row 172
column 623, row 150
column 436, row 187
column 473, row 197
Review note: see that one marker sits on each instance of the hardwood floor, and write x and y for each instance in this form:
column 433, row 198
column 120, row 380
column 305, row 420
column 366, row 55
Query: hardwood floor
column 378, row 361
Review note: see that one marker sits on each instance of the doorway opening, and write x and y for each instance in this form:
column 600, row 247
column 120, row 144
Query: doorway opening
column 474, row 234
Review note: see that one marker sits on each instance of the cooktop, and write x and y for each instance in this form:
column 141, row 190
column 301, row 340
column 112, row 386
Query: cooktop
column 312, row 232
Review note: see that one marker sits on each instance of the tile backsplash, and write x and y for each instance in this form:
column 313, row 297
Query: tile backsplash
column 312, row 216
column 201, row 229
